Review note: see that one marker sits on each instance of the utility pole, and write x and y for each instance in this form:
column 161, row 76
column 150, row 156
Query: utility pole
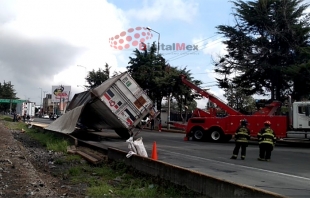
column 44, row 99
column 41, row 102
column 150, row 29
column 11, row 106
column 168, row 116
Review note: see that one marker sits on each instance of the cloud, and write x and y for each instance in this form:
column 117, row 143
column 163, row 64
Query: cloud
column 29, row 58
column 42, row 42
column 184, row 10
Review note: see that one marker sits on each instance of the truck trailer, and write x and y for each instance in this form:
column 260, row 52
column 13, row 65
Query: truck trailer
column 119, row 103
column 207, row 125
column 27, row 108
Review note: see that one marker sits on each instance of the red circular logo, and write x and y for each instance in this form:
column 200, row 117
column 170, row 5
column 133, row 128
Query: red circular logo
column 131, row 37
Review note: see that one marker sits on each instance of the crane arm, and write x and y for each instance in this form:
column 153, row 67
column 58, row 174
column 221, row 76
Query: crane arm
column 211, row 97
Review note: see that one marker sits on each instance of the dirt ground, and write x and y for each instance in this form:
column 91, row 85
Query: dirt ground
column 27, row 169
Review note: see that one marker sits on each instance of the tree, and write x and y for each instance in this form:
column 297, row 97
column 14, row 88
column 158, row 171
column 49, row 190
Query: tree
column 183, row 94
column 174, row 105
column 6, row 92
column 96, row 78
column 158, row 78
column 238, row 100
column 148, row 70
column 268, row 48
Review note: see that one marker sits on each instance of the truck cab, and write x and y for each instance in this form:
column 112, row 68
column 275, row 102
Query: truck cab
column 301, row 118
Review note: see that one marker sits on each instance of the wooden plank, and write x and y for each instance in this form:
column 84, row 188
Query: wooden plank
column 87, row 157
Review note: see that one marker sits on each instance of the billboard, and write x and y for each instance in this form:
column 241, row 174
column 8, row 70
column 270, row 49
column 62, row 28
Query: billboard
column 60, row 93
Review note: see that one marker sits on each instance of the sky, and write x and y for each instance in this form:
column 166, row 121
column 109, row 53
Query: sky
column 56, row 42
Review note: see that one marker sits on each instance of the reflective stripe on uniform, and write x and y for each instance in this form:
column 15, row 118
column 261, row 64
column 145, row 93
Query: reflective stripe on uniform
column 242, row 133
column 266, row 136
column 268, row 142
column 242, row 140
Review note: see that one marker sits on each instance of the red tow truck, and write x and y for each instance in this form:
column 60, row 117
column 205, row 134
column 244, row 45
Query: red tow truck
column 207, row 125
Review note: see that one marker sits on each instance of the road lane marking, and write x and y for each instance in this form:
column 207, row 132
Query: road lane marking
column 242, row 166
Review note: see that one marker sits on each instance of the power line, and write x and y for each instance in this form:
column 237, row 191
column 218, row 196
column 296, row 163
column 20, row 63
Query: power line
column 186, row 54
column 195, row 43
column 210, row 86
column 190, row 53
column 208, row 82
column 205, row 72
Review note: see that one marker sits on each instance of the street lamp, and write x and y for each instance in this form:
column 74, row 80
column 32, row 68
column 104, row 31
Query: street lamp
column 41, row 101
column 148, row 28
column 85, row 72
column 44, row 101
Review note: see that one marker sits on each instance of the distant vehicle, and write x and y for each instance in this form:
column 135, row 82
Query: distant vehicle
column 55, row 116
column 45, row 117
column 144, row 122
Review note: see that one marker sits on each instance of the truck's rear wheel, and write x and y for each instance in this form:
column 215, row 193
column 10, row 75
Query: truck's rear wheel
column 198, row 134
column 216, row 135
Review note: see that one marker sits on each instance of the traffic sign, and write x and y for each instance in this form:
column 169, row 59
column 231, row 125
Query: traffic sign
column 12, row 100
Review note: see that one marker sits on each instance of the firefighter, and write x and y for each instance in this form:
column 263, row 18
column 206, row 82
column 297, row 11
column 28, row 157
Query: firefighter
column 266, row 140
column 242, row 137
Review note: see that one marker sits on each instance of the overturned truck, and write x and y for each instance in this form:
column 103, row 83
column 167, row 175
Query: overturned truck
column 119, row 103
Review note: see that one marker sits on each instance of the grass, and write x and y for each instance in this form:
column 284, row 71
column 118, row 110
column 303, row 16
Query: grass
column 109, row 179
column 49, row 140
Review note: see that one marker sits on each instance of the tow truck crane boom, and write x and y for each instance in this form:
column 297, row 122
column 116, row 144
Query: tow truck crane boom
column 211, row 97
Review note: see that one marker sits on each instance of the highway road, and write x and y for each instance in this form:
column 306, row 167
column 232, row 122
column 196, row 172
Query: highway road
column 288, row 173
column 42, row 120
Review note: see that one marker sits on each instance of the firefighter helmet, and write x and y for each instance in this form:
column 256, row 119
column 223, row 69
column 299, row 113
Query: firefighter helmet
column 243, row 122
column 268, row 123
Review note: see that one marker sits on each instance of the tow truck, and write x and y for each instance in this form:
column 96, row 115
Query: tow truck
column 208, row 125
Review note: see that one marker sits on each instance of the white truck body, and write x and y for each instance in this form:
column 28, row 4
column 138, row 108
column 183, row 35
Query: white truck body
column 125, row 99
column 27, row 108
column 119, row 103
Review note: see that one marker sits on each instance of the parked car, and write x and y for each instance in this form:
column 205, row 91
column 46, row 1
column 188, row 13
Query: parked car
column 54, row 116
column 45, row 116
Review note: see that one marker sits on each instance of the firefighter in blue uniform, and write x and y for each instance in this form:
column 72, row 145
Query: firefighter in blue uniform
column 266, row 140
column 242, row 137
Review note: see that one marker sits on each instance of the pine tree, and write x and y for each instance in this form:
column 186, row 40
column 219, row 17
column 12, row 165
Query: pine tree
column 268, row 48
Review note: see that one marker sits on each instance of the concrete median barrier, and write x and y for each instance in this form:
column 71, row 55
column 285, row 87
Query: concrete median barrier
column 198, row 182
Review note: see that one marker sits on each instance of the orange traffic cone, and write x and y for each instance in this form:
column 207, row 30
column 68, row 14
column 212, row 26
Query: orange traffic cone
column 154, row 152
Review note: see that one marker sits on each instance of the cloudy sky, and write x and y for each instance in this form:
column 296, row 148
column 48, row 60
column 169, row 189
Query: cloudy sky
column 42, row 42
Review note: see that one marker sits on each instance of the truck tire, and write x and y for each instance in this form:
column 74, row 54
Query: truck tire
column 123, row 133
column 198, row 134
column 216, row 135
